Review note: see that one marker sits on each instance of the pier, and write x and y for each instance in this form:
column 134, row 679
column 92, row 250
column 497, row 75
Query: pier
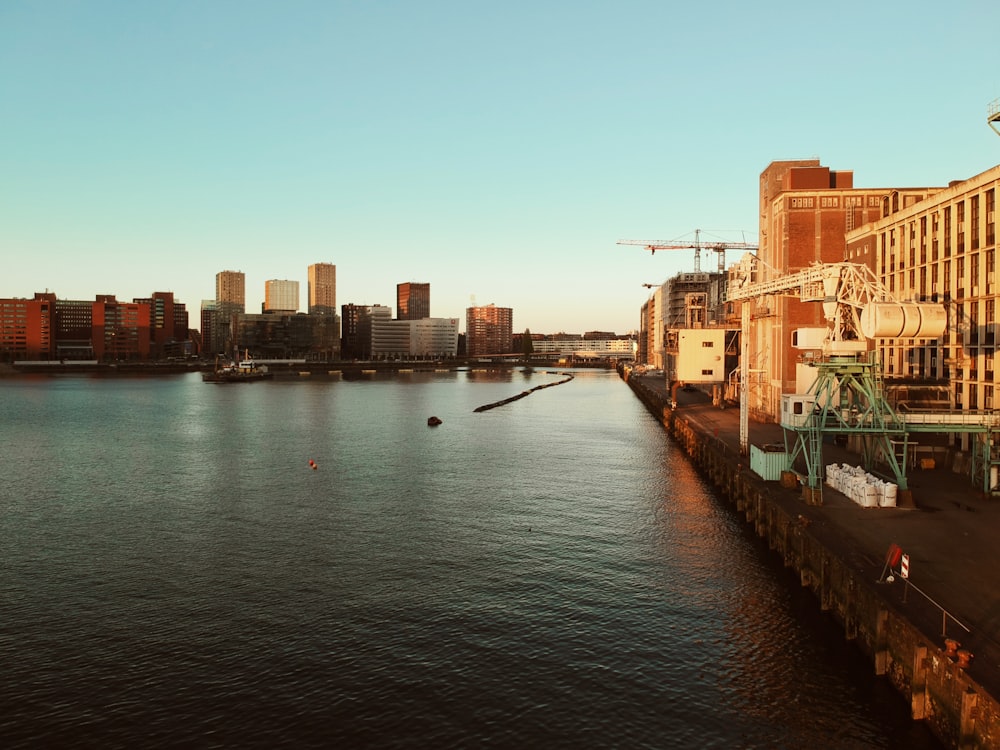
column 935, row 635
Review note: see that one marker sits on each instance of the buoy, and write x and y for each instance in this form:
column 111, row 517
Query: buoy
column 312, row 465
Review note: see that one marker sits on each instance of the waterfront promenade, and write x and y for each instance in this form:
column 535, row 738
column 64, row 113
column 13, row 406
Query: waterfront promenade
column 952, row 539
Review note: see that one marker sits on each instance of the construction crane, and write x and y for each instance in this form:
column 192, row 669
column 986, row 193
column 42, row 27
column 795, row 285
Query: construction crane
column 993, row 116
column 697, row 245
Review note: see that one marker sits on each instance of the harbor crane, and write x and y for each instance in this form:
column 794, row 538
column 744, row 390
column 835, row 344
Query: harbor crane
column 847, row 395
column 697, row 245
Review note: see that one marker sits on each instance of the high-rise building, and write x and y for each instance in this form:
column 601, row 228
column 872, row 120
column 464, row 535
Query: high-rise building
column 208, row 332
column 230, row 301
column 488, row 330
column 413, row 301
column 281, row 296
column 322, row 289
column 230, row 286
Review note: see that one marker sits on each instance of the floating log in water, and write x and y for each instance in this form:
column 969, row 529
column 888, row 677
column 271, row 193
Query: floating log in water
column 522, row 394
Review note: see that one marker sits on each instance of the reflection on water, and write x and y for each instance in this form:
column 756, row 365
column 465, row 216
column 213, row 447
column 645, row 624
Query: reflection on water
column 548, row 573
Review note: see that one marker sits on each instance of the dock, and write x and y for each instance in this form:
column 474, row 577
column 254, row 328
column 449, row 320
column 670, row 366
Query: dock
column 934, row 635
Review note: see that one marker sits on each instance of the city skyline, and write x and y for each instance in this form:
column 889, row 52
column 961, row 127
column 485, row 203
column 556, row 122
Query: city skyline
column 150, row 149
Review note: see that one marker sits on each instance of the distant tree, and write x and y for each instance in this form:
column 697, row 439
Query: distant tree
column 527, row 348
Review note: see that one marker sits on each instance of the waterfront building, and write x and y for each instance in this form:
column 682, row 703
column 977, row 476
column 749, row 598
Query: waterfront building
column 603, row 345
column 647, row 349
column 208, row 332
column 275, row 335
column 46, row 328
column 426, row 337
column 74, row 329
column 433, row 337
column 281, row 295
column 806, row 211
column 413, row 301
column 322, row 289
column 350, row 347
column 943, row 249
column 369, row 319
column 26, row 328
column 357, row 323
column 168, row 325
column 488, row 330
column 120, row 330
column 687, row 300
column 230, row 301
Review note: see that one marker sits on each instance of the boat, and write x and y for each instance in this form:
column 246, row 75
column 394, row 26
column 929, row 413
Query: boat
column 239, row 371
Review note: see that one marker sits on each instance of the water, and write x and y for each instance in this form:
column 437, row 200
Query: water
column 551, row 573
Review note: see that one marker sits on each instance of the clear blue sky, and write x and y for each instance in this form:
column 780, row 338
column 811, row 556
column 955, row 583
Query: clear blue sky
column 495, row 150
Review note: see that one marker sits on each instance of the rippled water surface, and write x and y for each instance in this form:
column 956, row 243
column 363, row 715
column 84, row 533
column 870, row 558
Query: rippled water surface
column 550, row 573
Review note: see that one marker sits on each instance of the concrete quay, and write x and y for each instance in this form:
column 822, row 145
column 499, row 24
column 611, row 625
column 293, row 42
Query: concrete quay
column 936, row 635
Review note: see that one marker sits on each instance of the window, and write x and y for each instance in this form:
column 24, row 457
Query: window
column 947, row 230
column 974, row 221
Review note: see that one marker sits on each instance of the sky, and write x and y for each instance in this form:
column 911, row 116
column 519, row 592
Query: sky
column 496, row 150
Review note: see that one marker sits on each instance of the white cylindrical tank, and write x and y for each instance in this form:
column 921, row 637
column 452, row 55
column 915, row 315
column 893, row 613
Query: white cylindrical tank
column 910, row 320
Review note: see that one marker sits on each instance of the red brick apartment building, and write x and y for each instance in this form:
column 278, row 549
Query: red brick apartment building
column 26, row 330
column 44, row 328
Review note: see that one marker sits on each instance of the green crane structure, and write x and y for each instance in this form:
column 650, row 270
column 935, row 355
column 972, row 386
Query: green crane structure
column 847, row 396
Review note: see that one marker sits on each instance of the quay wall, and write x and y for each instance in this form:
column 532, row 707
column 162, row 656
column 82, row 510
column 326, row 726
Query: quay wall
column 931, row 679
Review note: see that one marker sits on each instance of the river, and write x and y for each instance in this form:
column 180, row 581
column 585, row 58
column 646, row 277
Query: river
column 305, row 562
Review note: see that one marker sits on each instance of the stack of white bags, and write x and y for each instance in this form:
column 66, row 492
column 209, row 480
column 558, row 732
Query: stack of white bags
column 865, row 489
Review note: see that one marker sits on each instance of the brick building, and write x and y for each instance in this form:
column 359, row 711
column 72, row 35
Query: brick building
column 120, row 330
column 806, row 210
column 26, row 328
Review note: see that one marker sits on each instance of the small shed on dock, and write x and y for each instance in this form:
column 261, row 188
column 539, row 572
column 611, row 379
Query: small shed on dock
column 768, row 461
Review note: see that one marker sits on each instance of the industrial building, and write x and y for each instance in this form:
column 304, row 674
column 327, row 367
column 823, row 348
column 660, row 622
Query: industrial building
column 806, row 211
